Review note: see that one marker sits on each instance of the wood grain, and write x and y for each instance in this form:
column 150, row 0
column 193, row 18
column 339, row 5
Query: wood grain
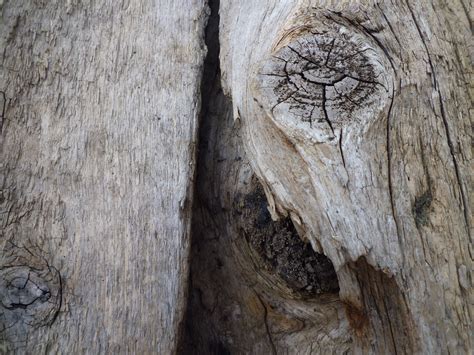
column 97, row 168
column 380, row 186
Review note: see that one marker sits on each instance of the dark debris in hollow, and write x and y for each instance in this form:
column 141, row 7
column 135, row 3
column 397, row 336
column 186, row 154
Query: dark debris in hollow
column 281, row 249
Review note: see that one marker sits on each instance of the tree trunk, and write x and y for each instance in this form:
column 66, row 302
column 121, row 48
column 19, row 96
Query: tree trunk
column 331, row 211
column 99, row 129
column 355, row 119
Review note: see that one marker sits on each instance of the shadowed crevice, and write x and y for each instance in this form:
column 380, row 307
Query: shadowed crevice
column 210, row 81
column 234, row 239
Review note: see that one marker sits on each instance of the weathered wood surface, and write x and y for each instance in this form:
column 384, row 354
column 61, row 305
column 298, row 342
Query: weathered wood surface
column 255, row 287
column 97, row 159
column 356, row 117
column 351, row 117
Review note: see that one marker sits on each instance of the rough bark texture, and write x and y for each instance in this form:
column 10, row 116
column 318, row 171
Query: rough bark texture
column 355, row 117
column 99, row 127
column 256, row 287
column 333, row 206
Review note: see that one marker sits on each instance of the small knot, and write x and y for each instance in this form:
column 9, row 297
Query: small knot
column 30, row 292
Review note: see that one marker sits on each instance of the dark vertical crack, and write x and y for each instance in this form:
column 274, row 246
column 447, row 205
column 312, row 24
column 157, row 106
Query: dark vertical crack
column 394, row 329
column 4, row 106
column 210, row 79
column 389, row 168
column 265, row 321
column 222, row 211
column 445, row 124
column 340, row 149
column 329, row 52
column 326, row 116
column 435, row 81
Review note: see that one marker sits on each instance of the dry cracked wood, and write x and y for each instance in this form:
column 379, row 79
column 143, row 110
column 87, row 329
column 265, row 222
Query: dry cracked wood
column 256, row 287
column 349, row 118
column 355, row 116
column 97, row 160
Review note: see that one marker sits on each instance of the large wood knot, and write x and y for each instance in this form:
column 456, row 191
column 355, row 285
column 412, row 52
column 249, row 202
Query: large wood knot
column 323, row 78
column 30, row 292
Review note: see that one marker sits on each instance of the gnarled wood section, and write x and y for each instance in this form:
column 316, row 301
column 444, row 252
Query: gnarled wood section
column 97, row 164
column 255, row 287
column 324, row 79
column 376, row 175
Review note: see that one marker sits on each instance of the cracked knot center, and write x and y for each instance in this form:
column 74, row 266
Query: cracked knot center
column 324, row 79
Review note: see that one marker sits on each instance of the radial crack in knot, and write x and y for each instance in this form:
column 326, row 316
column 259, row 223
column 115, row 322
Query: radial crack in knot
column 322, row 81
column 30, row 292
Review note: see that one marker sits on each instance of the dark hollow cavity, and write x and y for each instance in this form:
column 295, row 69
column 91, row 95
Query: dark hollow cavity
column 281, row 249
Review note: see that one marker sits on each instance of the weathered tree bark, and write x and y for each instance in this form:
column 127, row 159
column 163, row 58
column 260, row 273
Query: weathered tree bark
column 355, row 118
column 332, row 208
column 99, row 128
